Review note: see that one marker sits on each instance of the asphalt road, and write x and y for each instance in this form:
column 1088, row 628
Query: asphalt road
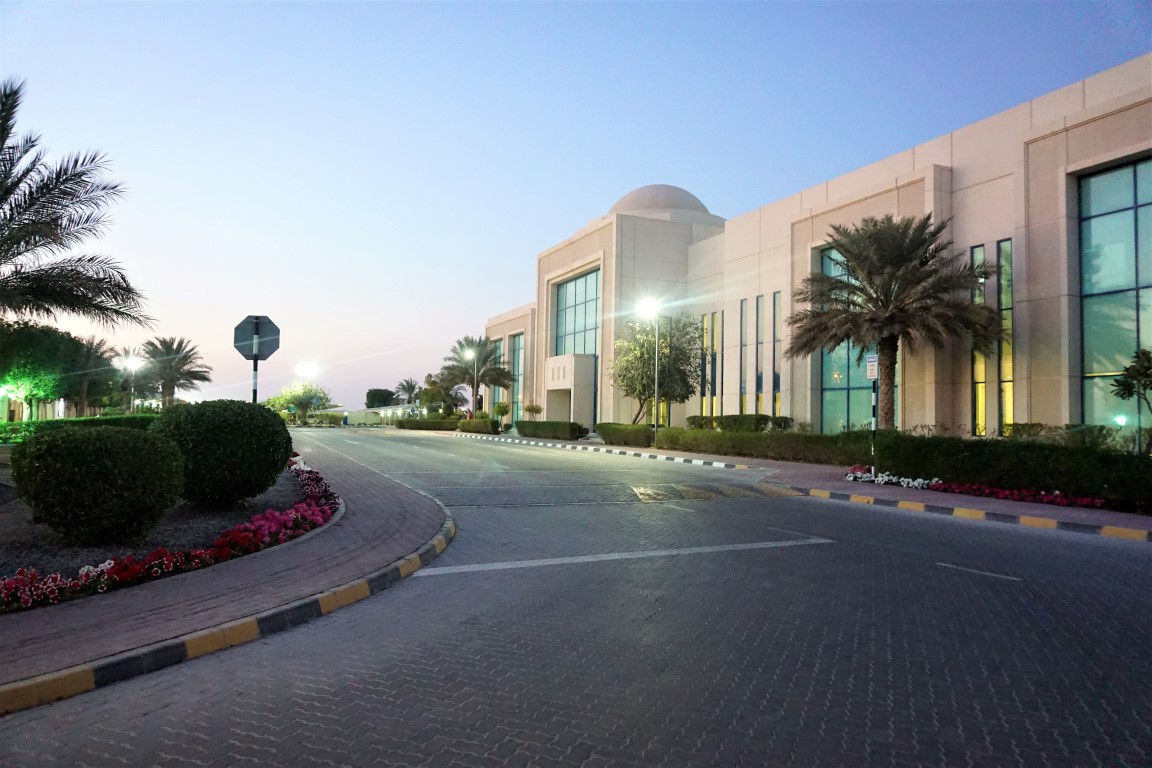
column 598, row 610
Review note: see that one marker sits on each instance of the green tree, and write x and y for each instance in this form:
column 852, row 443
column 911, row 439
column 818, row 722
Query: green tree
column 473, row 362
column 441, row 397
column 408, row 390
column 378, row 398
column 303, row 395
column 175, row 364
column 634, row 369
column 1136, row 382
column 36, row 362
column 45, row 212
column 899, row 286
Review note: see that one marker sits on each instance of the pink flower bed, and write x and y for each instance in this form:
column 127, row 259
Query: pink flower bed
column 28, row 588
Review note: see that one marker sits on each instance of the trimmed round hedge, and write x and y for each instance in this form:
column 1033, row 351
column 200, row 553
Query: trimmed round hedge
column 98, row 485
column 232, row 450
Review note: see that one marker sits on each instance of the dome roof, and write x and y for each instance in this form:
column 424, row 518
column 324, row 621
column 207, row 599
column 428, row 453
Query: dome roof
column 658, row 197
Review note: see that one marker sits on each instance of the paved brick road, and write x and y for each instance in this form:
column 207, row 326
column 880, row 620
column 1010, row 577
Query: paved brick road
column 859, row 643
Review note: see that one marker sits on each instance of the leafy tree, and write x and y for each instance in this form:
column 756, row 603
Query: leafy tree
column 475, row 361
column 408, row 390
column 1136, row 382
column 378, row 398
column 681, row 348
column 37, row 362
column 900, row 285
column 175, row 364
column 437, row 395
column 501, row 409
column 303, row 395
column 46, row 211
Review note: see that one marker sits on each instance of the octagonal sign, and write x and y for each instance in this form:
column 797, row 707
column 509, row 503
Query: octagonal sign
column 256, row 337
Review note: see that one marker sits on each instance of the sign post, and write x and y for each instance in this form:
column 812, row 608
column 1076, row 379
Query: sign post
column 256, row 338
column 873, row 375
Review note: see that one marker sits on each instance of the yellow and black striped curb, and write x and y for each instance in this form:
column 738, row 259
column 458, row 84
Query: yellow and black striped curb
column 599, row 449
column 34, row 691
column 967, row 513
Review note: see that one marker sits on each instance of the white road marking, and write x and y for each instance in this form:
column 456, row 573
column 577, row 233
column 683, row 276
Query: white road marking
column 982, row 573
column 443, row 570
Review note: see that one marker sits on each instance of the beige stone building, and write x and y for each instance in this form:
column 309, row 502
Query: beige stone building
column 1057, row 191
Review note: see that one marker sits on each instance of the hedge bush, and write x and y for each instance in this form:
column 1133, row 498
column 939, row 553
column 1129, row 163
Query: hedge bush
column 1123, row 480
column 479, row 426
column 557, row 430
column 101, row 486
column 638, row 435
column 846, row 448
column 14, row 432
column 748, row 422
column 443, row 425
column 232, row 450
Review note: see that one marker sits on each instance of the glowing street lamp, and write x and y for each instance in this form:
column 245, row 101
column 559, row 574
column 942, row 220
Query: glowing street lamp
column 470, row 354
column 307, row 370
column 130, row 364
column 649, row 309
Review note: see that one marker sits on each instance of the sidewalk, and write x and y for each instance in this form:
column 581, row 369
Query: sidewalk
column 386, row 532
column 822, row 480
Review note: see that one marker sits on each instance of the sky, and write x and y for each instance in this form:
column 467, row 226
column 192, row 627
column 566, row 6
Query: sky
column 378, row 178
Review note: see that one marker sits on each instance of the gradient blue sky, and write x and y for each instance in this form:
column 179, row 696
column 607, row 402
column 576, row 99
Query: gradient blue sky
column 379, row 177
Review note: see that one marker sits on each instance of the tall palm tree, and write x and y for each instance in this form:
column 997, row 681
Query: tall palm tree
column 408, row 389
column 45, row 211
column 900, row 285
column 475, row 361
column 93, row 365
column 175, row 364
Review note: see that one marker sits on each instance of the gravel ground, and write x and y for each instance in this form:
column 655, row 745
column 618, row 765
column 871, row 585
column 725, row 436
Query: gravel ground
column 26, row 544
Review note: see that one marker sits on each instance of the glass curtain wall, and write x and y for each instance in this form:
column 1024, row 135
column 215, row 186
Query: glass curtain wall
column 845, row 389
column 1116, row 287
column 497, row 392
column 743, row 356
column 777, row 354
column 979, row 363
column 1007, row 357
column 578, row 315
column 516, row 366
column 760, row 354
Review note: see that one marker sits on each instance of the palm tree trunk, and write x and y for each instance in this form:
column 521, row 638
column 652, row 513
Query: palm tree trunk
column 886, row 404
column 82, row 399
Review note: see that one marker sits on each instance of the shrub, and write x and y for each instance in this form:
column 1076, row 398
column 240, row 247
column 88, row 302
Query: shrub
column 232, row 450
column 1123, row 480
column 14, row 432
column 479, row 426
column 557, row 430
column 845, row 448
column 639, row 435
column 701, row 422
column 743, row 423
column 443, row 425
column 98, row 486
column 780, row 423
column 328, row 419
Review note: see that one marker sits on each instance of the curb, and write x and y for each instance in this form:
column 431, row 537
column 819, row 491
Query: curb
column 968, row 513
column 34, row 691
column 598, row 449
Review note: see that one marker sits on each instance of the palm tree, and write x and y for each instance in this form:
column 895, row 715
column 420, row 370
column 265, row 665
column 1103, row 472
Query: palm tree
column 45, row 211
column 175, row 364
column 475, row 361
column 94, row 362
column 899, row 285
column 408, row 389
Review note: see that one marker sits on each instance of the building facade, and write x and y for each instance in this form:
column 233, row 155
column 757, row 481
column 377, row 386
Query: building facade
column 1057, row 191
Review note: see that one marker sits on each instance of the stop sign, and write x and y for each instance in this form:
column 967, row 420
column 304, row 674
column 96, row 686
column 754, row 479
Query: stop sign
column 256, row 337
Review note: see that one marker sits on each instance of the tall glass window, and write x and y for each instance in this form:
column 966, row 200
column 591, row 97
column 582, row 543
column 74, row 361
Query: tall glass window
column 578, row 315
column 705, row 365
column 497, row 392
column 1007, row 357
column 760, row 354
column 777, row 354
column 1115, row 287
column 517, row 369
column 845, row 389
column 743, row 356
column 717, row 363
column 979, row 363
